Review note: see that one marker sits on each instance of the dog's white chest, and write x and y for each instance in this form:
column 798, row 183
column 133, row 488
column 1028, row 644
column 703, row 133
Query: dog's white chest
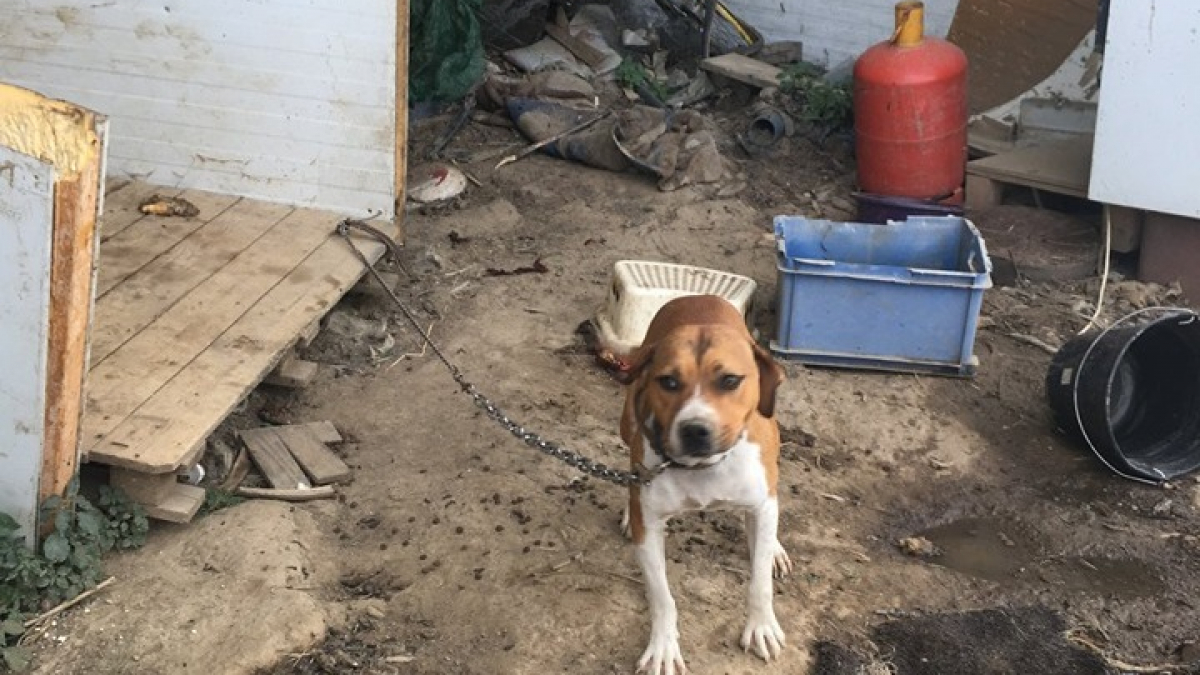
column 739, row 481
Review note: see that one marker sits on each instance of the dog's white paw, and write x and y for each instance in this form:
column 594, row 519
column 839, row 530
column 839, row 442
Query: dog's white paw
column 662, row 657
column 626, row 529
column 781, row 564
column 764, row 636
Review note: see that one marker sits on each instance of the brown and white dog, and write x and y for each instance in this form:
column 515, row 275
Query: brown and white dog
column 699, row 412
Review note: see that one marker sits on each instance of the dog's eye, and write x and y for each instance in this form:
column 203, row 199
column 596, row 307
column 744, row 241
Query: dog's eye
column 730, row 382
column 668, row 383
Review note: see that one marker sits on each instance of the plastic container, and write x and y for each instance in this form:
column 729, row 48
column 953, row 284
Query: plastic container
column 903, row 296
column 639, row 289
column 1131, row 393
column 910, row 112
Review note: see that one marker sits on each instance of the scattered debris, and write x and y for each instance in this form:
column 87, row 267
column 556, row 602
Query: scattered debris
column 538, row 267
column 63, row 606
column 157, row 205
column 282, row 451
column 587, row 47
column 550, row 140
column 918, row 547
column 435, row 182
column 782, row 53
column 743, row 69
column 298, row 495
column 293, row 373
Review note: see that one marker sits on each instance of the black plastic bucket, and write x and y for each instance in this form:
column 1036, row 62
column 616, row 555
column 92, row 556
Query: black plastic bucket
column 1131, row 393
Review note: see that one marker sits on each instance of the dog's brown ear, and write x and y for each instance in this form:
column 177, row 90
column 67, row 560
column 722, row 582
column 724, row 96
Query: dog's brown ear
column 638, row 360
column 770, row 376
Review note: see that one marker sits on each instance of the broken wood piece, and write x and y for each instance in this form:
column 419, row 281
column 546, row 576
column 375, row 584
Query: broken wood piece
column 582, row 50
column 299, row 495
column 317, row 460
column 781, row 53
column 238, row 471
column 743, row 69
column 180, row 506
column 293, row 373
column 67, row 604
column 324, row 431
column 309, row 335
column 268, row 451
column 143, row 488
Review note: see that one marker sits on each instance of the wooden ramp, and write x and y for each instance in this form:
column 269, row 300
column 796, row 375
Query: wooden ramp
column 192, row 313
column 1063, row 167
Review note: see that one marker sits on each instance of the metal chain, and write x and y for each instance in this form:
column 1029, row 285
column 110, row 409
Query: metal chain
column 533, row 440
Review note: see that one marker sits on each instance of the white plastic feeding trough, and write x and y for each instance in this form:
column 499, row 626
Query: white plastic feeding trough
column 640, row 288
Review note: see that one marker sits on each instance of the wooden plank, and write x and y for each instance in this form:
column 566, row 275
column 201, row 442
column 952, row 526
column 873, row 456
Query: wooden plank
column 158, row 287
column 983, row 192
column 200, row 396
column 1063, row 167
column 585, row 52
column 134, row 440
column 317, row 460
column 272, row 456
column 71, row 284
column 180, row 506
column 743, row 69
column 143, row 488
column 293, row 372
column 131, row 249
column 1126, row 228
column 121, row 209
column 323, row 431
column 306, row 338
column 124, row 380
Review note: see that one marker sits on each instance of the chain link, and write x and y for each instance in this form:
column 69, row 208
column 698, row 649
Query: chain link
column 577, row 461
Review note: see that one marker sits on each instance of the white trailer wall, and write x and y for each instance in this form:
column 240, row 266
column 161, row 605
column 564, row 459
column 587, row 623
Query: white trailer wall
column 835, row 32
column 283, row 100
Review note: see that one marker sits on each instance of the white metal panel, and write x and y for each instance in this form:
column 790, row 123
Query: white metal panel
column 26, row 226
column 1148, row 125
column 285, row 100
column 835, row 32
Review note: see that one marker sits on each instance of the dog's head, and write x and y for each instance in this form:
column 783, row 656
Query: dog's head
column 695, row 389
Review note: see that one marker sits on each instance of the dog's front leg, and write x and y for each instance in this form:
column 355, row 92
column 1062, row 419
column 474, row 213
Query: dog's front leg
column 662, row 656
column 762, row 633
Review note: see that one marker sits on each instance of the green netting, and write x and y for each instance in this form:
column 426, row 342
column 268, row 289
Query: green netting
column 445, row 49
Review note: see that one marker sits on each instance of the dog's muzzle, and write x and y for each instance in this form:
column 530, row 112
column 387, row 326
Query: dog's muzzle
column 698, row 439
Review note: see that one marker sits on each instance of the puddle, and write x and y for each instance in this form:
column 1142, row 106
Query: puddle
column 987, row 548
column 1006, row 551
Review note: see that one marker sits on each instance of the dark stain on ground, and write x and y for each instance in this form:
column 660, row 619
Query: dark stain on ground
column 1007, row 551
column 1011, row 641
column 1016, row 641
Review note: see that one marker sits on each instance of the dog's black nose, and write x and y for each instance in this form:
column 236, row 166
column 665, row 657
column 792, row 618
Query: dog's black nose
column 696, row 438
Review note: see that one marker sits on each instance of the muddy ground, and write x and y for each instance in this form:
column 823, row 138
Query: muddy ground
column 457, row 549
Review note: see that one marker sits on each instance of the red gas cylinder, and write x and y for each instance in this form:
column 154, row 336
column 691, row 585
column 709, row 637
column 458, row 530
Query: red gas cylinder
column 910, row 112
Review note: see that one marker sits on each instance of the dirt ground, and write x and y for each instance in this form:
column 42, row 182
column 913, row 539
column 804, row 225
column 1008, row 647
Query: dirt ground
column 456, row 549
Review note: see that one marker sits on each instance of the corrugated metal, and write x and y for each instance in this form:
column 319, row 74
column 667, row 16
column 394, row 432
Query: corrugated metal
column 285, row 100
column 835, row 32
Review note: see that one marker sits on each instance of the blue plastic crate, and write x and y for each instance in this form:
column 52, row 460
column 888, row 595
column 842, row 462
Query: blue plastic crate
column 902, row 296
